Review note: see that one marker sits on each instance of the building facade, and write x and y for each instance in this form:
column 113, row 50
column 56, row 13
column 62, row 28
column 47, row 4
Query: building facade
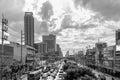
column 109, row 56
column 30, row 57
column 7, row 58
column 90, row 56
column 118, row 37
column 99, row 52
column 51, row 42
column 117, row 50
column 29, row 28
column 17, row 55
column 58, row 51
column 27, row 55
column 41, row 47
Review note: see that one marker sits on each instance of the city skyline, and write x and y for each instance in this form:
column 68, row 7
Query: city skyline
column 76, row 23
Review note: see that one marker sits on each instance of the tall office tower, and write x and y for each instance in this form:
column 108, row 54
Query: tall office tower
column 51, row 42
column 59, row 50
column 29, row 28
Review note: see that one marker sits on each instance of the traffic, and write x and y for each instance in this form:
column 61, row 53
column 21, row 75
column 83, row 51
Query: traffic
column 66, row 70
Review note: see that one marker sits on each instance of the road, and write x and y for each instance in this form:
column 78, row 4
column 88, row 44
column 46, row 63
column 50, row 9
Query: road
column 57, row 76
column 108, row 77
column 47, row 74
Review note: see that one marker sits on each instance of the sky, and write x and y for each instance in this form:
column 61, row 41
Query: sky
column 76, row 23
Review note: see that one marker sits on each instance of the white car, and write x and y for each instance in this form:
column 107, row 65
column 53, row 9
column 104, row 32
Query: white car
column 50, row 78
column 59, row 78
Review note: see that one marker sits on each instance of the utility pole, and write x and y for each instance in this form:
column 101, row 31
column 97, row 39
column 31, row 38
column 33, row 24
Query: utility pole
column 21, row 44
column 4, row 37
column 2, row 45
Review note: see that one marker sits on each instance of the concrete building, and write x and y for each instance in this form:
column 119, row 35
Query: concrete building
column 27, row 55
column 17, row 52
column 51, row 42
column 29, row 28
column 58, row 50
column 109, row 56
column 118, row 37
column 42, row 47
column 30, row 58
column 117, row 50
column 67, row 54
column 99, row 52
column 90, row 56
column 7, row 58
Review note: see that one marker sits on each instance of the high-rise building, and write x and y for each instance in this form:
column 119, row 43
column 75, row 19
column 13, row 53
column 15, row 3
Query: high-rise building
column 29, row 28
column 51, row 42
column 67, row 54
column 59, row 51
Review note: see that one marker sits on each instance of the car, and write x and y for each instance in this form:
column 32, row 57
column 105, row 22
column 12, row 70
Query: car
column 61, row 71
column 59, row 79
column 60, row 75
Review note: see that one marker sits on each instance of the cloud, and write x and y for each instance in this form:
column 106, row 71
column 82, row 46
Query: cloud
column 76, row 23
column 43, row 27
column 46, row 11
column 12, row 9
column 110, row 9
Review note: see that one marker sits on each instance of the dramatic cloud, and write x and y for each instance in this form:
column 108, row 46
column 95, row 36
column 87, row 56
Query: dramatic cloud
column 76, row 23
column 46, row 11
column 110, row 9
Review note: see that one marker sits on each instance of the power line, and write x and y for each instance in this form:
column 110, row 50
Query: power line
column 13, row 35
